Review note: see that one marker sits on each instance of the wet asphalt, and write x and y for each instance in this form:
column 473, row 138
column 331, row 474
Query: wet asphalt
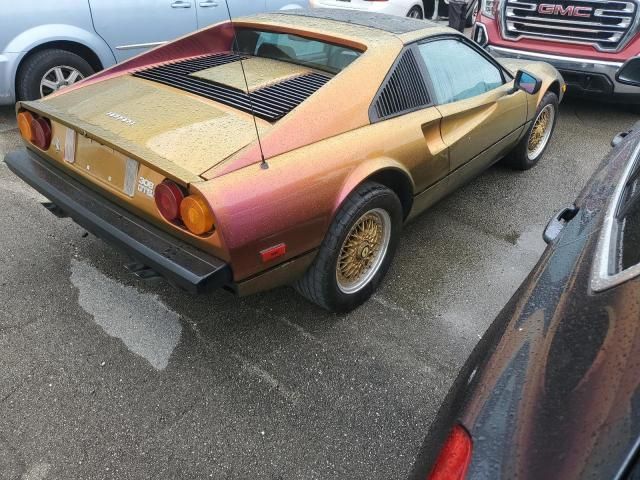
column 103, row 375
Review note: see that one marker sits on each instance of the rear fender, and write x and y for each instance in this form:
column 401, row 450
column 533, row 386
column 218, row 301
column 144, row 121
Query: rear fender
column 368, row 170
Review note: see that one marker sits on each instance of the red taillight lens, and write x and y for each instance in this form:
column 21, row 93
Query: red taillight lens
column 454, row 458
column 168, row 197
column 41, row 132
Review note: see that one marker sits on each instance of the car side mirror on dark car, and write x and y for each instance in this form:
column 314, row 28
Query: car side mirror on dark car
column 527, row 82
column 629, row 73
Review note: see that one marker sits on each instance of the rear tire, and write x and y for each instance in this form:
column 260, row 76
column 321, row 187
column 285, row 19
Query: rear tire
column 42, row 66
column 415, row 12
column 357, row 250
column 536, row 140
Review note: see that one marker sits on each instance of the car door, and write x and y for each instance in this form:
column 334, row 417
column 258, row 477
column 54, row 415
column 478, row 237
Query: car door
column 482, row 115
column 214, row 11
column 132, row 27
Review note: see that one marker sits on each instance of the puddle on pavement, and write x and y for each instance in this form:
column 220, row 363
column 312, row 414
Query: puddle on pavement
column 144, row 324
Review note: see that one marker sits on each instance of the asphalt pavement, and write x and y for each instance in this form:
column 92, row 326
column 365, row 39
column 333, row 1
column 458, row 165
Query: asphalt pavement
column 103, row 375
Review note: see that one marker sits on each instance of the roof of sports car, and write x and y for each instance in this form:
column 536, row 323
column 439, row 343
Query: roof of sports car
column 352, row 23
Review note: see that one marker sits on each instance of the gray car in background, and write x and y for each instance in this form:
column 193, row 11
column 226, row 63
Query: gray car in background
column 45, row 46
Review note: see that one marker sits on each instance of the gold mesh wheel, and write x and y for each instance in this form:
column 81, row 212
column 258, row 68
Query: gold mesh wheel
column 363, row 250
column 540, row 132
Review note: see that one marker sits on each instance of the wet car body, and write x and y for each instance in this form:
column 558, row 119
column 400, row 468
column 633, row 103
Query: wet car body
column 553, row 388
column 180, row 113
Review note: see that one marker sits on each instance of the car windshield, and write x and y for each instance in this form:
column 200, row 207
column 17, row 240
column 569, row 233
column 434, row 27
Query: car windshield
column 295, row 49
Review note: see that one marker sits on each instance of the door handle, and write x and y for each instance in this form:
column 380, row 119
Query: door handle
column 208, row 4
column 558, row 222
column 181, row 4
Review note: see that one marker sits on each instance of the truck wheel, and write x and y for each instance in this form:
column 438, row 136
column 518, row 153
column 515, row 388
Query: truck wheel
column 535, row 141
column 50, row 70
column 357, row 251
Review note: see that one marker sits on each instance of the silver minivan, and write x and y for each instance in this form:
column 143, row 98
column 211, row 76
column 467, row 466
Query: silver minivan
column 45, row 46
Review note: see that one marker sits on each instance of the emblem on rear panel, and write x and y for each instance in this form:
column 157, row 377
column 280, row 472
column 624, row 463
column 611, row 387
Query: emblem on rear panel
column 122, row 118
column 146, row 186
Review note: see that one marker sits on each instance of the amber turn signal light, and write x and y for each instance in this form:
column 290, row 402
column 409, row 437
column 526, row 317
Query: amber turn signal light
column 24, row 124
column 196, row 215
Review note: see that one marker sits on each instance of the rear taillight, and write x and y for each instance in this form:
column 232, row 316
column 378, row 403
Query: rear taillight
column 24, row 124
column 41, row 132
column 168, row 197
column 454, row 458
column 196, row 215
column 192, row 211
column 35, row 130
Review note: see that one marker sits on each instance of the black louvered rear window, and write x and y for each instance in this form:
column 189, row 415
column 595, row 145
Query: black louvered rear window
column 405, row 89
column 270, row 103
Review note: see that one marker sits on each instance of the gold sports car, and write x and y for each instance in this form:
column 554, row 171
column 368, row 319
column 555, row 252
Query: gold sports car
column 282, row 148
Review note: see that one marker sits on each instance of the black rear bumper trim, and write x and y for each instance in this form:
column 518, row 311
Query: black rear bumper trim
column 182, row 264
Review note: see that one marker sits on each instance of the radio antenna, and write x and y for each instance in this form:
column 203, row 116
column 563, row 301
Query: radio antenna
column 264, row 164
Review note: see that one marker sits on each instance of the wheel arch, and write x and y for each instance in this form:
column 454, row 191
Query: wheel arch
column 386, row 172
column 555, row 88
column 66, row 37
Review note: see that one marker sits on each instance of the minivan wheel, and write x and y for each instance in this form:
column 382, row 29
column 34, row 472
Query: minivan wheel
column 48, row 71
column 415, row 12
column 357, row 250
column 536, row 140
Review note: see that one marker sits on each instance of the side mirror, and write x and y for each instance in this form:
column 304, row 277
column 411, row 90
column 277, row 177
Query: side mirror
column 527, row 82
column 629, row 73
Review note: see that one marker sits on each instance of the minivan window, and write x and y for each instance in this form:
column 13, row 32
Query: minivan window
column 457, row 71
column 295, row 49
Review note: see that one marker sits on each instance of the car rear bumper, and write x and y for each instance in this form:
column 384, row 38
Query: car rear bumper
column 182, row 264
column 582, row 75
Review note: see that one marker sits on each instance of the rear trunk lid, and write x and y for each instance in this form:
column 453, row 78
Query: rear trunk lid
column 177, row 133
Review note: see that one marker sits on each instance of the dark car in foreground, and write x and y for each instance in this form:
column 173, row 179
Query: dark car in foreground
column 552, row 391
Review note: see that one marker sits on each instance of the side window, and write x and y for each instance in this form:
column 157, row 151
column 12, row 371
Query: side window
column 457, row 71
column 403, row 91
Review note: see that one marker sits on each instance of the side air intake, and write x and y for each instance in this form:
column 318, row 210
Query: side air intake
column 270, row 103
column 404, row 89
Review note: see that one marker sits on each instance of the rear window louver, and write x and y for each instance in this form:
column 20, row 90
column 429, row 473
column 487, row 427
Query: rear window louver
column 270, row 103
column 404, row 89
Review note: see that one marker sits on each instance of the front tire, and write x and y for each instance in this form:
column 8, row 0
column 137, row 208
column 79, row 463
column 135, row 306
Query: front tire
column 357, row 250
column 536, row 140
column 47, row 71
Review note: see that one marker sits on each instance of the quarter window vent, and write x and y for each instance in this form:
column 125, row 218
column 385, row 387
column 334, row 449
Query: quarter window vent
column 270, row 103
column 404, row 90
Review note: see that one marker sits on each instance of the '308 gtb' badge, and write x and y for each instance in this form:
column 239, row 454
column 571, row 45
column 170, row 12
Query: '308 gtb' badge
column 146, row 186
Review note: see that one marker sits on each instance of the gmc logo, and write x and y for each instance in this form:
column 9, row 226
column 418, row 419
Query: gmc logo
column 570, row 11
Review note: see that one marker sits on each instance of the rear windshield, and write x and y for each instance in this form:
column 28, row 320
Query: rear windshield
column 295, row 49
